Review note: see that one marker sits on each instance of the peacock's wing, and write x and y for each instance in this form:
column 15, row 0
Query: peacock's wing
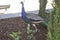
column 34, row 17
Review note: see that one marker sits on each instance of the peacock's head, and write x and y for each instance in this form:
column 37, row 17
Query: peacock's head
column 21, row 2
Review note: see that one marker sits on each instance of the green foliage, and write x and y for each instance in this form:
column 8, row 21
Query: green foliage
column 54, row 23
column 15, row 35
column 57, row 2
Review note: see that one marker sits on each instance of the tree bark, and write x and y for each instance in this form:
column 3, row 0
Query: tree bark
column 42, row 7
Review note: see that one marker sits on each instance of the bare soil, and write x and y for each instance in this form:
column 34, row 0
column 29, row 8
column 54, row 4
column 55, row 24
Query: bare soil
column 17, row 24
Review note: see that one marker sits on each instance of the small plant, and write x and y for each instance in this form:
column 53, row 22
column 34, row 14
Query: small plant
column 16, row 35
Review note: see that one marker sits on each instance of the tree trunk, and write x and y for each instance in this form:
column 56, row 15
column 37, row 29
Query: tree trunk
column 42, row 7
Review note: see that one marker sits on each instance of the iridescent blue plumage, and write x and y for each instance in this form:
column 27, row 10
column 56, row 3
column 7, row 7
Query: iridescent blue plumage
column 23, row 11
column 24, row 15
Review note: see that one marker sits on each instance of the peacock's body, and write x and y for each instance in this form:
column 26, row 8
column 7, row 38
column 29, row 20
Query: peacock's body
column 30, row 18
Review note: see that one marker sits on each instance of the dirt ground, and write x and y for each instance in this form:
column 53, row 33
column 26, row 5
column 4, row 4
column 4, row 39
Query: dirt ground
column 16, row 24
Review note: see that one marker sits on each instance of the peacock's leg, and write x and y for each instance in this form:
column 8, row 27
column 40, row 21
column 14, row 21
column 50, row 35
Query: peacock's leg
column 35, row 27
column 28, row 28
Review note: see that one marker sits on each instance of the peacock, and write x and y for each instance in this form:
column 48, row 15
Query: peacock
column 31, row 18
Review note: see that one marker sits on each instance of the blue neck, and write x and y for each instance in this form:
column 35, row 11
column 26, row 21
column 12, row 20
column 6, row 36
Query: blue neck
column 23, row 11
